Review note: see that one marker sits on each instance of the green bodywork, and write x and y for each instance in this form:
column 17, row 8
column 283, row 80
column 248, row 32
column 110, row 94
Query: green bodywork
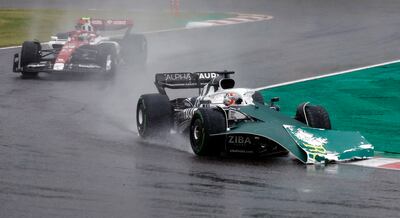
column 296, row 137
column 330, row 145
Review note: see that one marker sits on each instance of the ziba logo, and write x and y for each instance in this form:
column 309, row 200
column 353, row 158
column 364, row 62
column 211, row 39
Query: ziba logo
column 239, row 140
column 207, row 75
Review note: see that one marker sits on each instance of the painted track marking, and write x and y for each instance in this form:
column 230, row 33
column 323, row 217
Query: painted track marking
column 379, row 162
column 10, row 47
column 240, row 18
column 328, row 75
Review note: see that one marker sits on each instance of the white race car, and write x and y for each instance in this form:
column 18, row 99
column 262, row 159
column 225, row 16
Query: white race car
column 83, row 49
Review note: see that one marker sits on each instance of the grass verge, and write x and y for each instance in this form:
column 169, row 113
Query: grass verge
column 365, row 100
column 18, row 25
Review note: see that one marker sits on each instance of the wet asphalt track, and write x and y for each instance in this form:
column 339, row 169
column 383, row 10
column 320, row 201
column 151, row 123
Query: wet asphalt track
column 68, row 147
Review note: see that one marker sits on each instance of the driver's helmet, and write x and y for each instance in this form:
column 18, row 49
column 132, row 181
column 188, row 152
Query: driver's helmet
column 231, row 98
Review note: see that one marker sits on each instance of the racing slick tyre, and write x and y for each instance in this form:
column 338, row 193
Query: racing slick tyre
column 134, row 49
column 30, row 53
column 313, row 115
column 257, row 97
column 205, row 122
column 153, row 115
column 108, row 59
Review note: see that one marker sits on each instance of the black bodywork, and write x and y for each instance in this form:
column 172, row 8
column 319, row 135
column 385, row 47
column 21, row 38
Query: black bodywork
column 86, row 58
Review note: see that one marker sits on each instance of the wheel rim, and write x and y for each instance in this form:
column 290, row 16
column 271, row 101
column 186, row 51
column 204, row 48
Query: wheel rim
column 140, row 117
column 197, row 133
column 108, row 63
column 141, row 120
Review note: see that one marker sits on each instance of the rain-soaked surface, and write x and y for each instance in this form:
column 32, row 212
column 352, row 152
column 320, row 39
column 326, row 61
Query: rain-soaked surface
column 68, row 146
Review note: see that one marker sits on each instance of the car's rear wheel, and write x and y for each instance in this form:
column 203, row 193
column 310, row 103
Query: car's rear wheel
column 205, row 122
column 134, row 49
column 108, row 59
column 30, row 53
column 153, row 115
column 313, row 115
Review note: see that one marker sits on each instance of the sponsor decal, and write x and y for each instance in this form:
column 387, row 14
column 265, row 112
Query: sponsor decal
column 241, row 151
column 97, row 22
column 207, row 75
column 119, row 22
column 189, row 77
column 239, row 140
column 116, row 22
column 177, row 76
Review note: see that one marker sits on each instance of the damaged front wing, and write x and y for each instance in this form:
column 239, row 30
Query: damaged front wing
column 322, row 145
column 309, row 145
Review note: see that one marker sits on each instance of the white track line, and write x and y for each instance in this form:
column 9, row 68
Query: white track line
column 327, row 75
column 240, row 18
column 10, row 47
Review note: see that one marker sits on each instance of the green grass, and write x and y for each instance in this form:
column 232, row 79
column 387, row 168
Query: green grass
column 18, row 25
column 366, row 100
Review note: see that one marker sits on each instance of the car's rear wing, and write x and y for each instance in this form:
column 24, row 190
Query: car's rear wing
column 111, row 24
column 104, row 24
column 187, row 80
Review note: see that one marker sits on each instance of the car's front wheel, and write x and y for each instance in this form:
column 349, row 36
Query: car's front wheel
column 313, row 115
column 257, row 97
column 205, row 123
column 134, row 49
column 30, row 53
